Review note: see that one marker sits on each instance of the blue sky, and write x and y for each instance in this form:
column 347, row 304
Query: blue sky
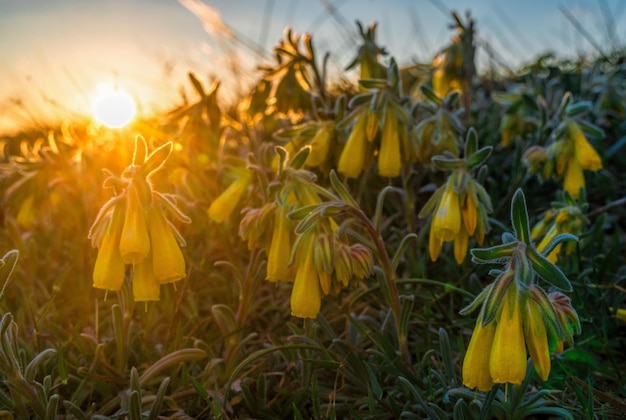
column 54, row 53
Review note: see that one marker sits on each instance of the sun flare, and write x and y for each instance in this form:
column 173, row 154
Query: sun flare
column 112, row 107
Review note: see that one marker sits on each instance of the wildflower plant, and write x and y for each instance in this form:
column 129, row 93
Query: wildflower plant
column 439, row 127
column 570, row 153
column 380, row 128
column 517, row 316
column 132, row 228
column 566, row 215
column 460, row 206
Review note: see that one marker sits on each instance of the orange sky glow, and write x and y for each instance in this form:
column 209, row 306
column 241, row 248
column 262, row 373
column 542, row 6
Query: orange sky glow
column 56, row 53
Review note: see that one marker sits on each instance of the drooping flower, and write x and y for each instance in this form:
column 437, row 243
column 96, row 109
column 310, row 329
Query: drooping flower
column 109, row 269
column 526, row 321
column 146, row 286
column 223, row 206
column 389, row 157
column 507, row 362
column 536, row 337
column 306, row 296
column 168, row 262
column 279, row 254
column 567, row 158
column 566, row 216
column 476, row 372
column 132, row 228
column 447, row 219
column 135, row 240
column 352, row 159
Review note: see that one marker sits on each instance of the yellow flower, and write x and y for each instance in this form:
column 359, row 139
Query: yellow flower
column 109, row 269
column 389, row 160
column 320, row 144
column 536, row 337
column 280, row 248
column 586, row 155
column 461, row 243
column 507, row 362
column 574, row 179
column 352, row 159
column 470, row 210
column 447, row 219
column 549, row 236
column 306, row 296
column 135, row 241
column 145, row 284
column 476, row 362
column 434, row 243
column 168, row 262
column 223, row 206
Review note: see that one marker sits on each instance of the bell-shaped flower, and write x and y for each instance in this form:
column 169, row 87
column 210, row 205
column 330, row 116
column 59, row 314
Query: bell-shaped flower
column 135, row 240
column 507, row 363
column 352, row 159
column 168, row 262
column 146, row 286
column 109, row 269
column 447, row 218
column 306, row 296
column 223, row 206
column 389, row 157
column 536, row 337
column 476, row 362
column 279, row 254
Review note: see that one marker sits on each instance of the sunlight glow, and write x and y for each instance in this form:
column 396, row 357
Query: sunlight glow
column 112, row 107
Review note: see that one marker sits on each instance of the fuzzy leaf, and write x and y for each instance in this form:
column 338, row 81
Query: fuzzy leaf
column 548, row 271
column 493, row 254
column 479, row 157
column 557, row 240
column 471, row 142
column 519, row 217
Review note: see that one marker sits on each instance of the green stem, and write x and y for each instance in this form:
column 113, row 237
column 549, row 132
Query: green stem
column 390, row 279
column 248, row 289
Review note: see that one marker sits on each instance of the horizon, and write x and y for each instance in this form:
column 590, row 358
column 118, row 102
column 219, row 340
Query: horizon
column 59, row 53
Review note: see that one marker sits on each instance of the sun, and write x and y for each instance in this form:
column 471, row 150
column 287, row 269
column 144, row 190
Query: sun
column 112, row 107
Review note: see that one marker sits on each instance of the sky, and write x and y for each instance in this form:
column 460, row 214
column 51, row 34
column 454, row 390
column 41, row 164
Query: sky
column 54, row 53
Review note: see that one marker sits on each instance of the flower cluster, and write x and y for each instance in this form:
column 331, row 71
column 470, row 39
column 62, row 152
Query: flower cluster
column 132, row 228
column 567, row 157
column 454, row 65
column 380, row 127
column 565, row 216
column 313, row 254
column 517, row 317
column 460, row 206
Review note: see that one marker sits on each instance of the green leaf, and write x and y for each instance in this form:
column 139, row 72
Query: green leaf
column 298, row 160
column 479, row 157
column 591, row 130
column 519, row 217
column 158, row 400
column 494, row 254
column 380, row 201
column 373, row 83
column 548, row 271
column 404, row 244
column 557, row 240
column 578, row 108
column 430, row 94
column 445, row 163
column 471, row 142
column 477, row 301
column 341, row 190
